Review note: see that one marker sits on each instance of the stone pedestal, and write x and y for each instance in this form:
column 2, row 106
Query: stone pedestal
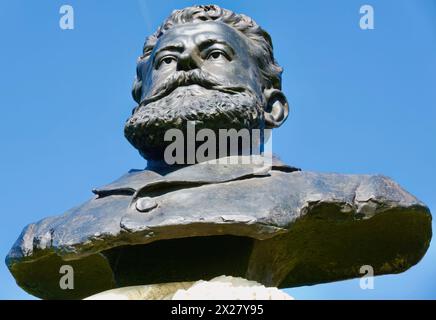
column 219, row 288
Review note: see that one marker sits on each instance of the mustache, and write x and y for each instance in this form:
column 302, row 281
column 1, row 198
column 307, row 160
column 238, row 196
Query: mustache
column 191, row 77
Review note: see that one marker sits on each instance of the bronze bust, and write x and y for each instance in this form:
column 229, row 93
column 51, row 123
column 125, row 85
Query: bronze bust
column 281, row 226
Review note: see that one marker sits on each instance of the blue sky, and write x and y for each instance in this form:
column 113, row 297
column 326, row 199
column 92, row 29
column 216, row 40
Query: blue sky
column 361, row 102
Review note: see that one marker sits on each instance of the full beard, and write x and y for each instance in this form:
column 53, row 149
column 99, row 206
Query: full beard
column 211, row 109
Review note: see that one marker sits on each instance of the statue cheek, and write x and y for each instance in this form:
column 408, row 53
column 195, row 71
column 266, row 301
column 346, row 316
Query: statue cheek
column 249, row 74
column 153, row 79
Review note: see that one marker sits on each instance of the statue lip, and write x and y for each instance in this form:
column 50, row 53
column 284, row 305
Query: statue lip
column 165, row 93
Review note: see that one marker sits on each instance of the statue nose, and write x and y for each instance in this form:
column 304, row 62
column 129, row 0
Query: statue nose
column 187, row 62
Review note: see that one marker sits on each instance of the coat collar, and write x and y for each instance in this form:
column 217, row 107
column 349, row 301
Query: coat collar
column 221, row 170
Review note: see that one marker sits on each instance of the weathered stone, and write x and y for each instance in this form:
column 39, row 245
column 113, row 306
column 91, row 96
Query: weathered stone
column 219, row 288
column 160, row 291
column 283, row 228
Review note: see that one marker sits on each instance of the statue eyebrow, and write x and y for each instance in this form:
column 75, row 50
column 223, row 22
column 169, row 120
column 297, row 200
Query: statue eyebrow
column 209, row 42
column 171, row 47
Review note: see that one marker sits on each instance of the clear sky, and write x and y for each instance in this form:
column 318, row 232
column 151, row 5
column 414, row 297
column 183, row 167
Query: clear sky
column 363, row 101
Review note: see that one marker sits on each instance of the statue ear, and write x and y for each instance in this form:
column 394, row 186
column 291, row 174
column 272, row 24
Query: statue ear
column 276, row 110
column 137, row 83
column 137, row 90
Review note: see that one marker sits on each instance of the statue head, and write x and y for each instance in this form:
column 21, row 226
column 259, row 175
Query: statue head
column 209, row 65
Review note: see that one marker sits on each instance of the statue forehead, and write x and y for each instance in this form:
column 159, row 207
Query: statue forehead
column 197, row 32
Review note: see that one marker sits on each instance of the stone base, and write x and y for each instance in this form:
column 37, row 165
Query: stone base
column 219, row 288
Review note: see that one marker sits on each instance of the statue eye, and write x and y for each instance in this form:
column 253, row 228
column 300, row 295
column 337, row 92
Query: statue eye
column 216, row 55
column 167, row 60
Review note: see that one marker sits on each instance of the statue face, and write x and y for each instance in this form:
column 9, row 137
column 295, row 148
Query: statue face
column 204, row 72
column 213, row 47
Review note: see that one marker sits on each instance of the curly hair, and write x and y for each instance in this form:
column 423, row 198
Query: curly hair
column 271, row 72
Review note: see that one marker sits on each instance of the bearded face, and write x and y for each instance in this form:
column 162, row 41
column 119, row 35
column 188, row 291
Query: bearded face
column 191, row 96
column 203, row 72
